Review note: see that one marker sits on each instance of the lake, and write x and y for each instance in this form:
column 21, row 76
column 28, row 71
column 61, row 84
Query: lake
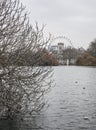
column 72, row 103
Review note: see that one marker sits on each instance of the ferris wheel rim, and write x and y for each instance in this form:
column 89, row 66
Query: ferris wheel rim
column 63, row 37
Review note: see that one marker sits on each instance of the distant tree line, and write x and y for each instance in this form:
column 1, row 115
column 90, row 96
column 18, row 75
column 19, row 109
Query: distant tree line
column 88, row 58
column 29, row 58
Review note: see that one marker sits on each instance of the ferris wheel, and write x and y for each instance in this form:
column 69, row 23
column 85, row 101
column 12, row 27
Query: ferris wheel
column 62, row 39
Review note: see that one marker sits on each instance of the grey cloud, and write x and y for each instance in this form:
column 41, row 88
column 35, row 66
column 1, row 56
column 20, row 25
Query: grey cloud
column 76, row 18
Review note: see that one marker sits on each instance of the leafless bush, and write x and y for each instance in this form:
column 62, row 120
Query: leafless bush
column 21, row 87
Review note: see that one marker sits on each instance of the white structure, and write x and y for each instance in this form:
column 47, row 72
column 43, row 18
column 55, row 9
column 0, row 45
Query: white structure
column 59, row 47
column 53, row 48
column 57, row 51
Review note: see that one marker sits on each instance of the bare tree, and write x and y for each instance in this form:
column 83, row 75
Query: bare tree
column 92, row 48
column 70, row 54
column 21, row 87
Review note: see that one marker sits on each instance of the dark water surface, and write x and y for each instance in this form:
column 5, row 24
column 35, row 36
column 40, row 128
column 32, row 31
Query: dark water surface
column 72, row 103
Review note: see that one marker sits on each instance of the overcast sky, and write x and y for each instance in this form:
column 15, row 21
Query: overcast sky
column 75, row 19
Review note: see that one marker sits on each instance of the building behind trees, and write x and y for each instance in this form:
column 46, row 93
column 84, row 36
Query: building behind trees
column 66, row 55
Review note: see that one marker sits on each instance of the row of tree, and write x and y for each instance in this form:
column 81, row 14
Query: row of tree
column 88, row 58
